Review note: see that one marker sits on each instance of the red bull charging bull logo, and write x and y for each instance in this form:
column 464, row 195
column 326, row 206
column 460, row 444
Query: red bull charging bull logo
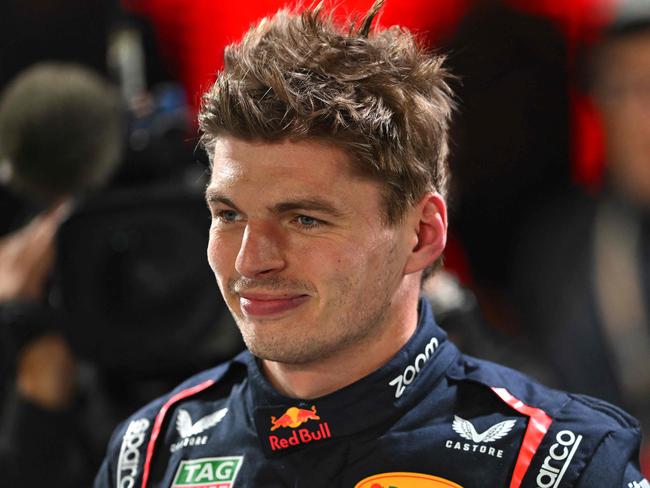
column 293, row 418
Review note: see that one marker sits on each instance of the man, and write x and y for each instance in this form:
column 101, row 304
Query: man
column 328, row 148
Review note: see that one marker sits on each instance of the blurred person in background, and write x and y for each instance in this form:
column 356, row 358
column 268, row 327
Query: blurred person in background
column 60, row 136
column 108, row 255
column 583, row 270
column 82, row 279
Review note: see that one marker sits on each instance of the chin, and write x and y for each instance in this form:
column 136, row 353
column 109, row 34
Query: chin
column 286, row 353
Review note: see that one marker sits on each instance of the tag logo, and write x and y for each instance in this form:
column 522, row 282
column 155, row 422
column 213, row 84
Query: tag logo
column 129, row 459
column 293, row 418
column 559, row 457
column 411, row 371
column 219, row 472
column 189, row 431
column 466, row 430
column 405, row 480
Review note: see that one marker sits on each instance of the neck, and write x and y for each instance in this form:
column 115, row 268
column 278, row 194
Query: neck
column 326, row 375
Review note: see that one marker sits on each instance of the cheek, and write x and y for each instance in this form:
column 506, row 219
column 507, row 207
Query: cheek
column 323, row 263
column 221, row 253
column 352, row 259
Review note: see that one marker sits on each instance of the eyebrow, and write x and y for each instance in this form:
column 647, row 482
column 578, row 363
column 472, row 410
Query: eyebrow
column 212, row 195
column 316, row 204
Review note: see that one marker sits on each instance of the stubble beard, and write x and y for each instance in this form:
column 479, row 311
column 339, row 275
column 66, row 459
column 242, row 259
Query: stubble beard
column 353, row 317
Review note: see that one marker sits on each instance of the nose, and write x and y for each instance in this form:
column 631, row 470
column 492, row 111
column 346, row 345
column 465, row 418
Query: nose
column 261, row 252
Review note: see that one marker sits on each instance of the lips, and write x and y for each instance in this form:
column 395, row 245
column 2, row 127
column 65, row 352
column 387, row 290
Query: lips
column 266, row 305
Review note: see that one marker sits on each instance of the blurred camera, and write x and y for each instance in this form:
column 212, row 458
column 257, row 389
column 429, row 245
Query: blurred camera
column 133, row 281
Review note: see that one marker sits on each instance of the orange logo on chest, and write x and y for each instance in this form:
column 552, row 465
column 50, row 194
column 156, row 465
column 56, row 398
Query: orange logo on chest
column 405, row 480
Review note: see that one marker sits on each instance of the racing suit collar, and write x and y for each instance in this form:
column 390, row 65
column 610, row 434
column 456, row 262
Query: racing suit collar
column 283, row 423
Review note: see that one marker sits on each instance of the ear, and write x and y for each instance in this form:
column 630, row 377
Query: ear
column 429, row 224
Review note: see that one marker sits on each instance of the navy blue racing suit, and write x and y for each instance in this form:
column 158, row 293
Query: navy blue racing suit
column 430, row 417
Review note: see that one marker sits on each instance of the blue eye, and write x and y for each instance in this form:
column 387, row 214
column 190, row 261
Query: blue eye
column 227, row 215
column 308, row 222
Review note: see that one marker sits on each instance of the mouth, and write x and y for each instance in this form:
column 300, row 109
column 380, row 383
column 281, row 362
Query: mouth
column 266, row 305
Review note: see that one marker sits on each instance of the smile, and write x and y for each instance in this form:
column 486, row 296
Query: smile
column 265, row 305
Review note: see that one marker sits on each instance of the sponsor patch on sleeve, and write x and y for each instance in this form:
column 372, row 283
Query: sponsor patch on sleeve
column 128, row 463
column 558, row 459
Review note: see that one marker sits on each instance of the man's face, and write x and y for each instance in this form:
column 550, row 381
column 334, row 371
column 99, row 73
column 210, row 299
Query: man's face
column 300, row 250
column 623, row 94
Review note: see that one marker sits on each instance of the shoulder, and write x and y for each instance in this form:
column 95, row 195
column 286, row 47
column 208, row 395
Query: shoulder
column 191, row 386
column 128, row 444
column 560, row 405
column 569, row 437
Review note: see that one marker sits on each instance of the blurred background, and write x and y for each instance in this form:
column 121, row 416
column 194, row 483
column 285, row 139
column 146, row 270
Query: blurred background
column 106, row 298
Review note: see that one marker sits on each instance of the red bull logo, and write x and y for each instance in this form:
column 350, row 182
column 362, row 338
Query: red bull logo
column 293, row 418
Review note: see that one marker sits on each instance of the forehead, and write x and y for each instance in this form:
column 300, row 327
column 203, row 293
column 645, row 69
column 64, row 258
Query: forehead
column 296, row 167
column 276, row 153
